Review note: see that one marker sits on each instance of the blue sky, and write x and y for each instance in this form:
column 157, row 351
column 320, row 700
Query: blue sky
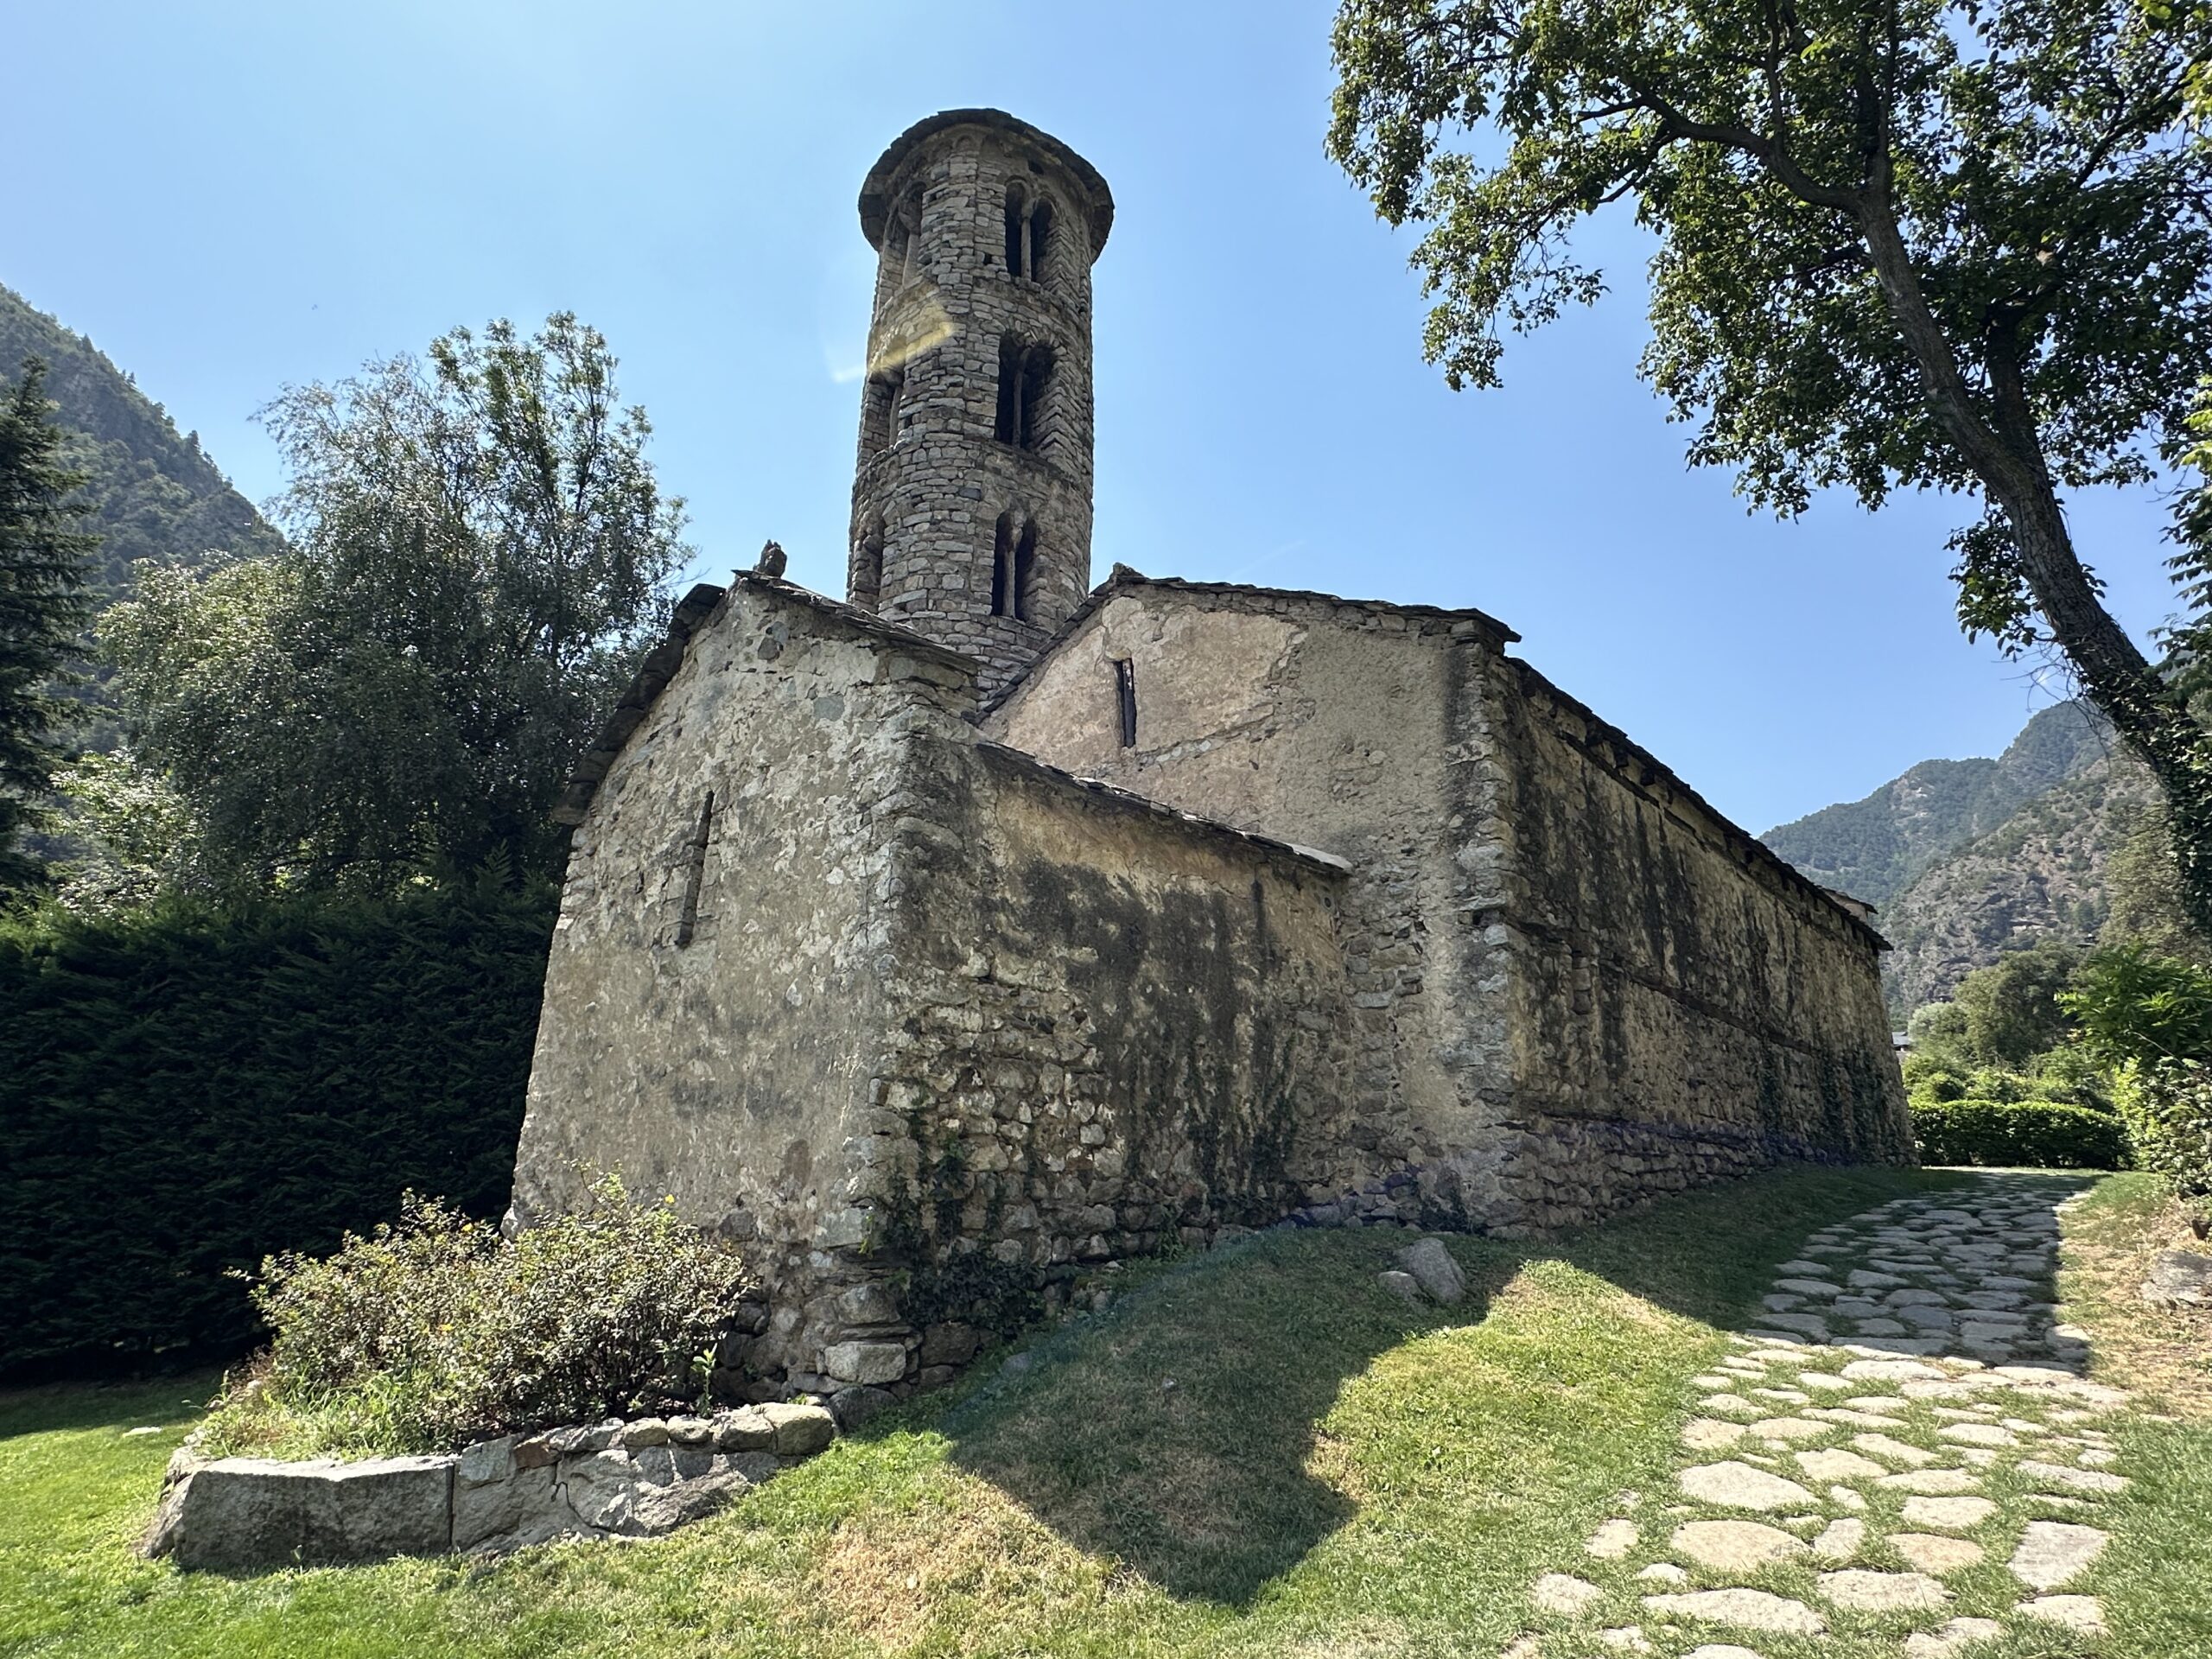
column 229, row 197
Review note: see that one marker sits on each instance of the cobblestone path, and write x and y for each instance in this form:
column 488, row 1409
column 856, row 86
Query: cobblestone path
column 1902, row 1452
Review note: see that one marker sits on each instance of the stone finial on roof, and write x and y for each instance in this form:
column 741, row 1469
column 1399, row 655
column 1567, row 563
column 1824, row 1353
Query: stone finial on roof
column 773, row 559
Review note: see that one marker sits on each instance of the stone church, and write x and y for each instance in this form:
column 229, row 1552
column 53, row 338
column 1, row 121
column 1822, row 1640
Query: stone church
column 985, row 926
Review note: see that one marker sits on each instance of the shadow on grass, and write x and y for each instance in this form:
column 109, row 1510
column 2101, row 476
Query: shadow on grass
column 1176, row 1431
column 61, row 1408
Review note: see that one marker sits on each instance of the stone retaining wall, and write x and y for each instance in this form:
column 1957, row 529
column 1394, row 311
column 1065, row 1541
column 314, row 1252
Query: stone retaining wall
column 612, row 1480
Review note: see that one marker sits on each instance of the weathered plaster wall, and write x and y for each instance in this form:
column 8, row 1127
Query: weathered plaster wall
column 1112, row 1029
column 1342, row 726
column 729, row 1072
column 1682, row 1007
column 1574, row 985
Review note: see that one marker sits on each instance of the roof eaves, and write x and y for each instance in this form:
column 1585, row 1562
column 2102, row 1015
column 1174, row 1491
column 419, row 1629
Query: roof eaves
column 1123, row 577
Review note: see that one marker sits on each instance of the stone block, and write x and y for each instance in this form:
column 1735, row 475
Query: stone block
column 1434, row 1270
column 950, row 1344
column 864, row 1362
column 869, row 1305
column 244, row 1513
column 526, row 1502
column 486, row 1461
column 855, row 1406
column 800, row 1431
column 601, row 1489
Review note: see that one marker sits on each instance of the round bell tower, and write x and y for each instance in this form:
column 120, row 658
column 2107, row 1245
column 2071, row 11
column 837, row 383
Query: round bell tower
column 971, row 498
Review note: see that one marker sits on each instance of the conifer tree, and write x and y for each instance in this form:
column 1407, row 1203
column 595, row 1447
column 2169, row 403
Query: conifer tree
column 44, row 605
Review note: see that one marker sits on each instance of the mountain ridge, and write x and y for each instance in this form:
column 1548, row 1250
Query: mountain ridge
column 1876, row 847
column 1964, row 859
column 155, row 492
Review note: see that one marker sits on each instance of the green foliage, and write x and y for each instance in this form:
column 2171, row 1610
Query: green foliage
column 2143, row 891
column 2168, row 1107
column 43, row 606
column 973, row 1288
column 187, row 1089
column 1937, row 1033
column 2035, row 1133
column 2151, row 1017
column 1932, row 1086
column 2028, row 156
column 2012, row 1007
column 130, row 839
column 2006, row 1015
column 481, row 550
column 2061, row 1077
column 2133, row 1007
column 435, row 1330
column 1910, row 243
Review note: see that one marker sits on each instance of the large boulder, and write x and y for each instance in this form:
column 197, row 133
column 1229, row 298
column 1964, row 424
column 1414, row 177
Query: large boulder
column 253, row 1512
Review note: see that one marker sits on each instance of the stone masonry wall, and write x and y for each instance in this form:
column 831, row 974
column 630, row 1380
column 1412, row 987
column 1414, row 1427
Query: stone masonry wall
column 1682, row 1006
column 1113, row 1030
column 948, row 1024
column 1339, row 725
column 1574, row 985
column 931, row 478
column 729, row 1072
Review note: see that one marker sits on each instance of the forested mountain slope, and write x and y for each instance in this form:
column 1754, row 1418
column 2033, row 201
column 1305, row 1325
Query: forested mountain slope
column 155, row 494
column 1874, row 848
column 2039, row 875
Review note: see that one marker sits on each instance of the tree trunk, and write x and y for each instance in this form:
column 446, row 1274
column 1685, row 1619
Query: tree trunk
column 2005, row 451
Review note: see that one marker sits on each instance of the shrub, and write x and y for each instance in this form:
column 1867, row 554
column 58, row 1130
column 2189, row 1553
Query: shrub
column 2168, row 1107
column 2132, row 1006
column 1932, row 1082
column 437, row 1331
column 2037, row 1133
column 186, row 1091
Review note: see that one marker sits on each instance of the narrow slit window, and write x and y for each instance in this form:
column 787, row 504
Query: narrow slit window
column 694, row 873
column 1125, row 698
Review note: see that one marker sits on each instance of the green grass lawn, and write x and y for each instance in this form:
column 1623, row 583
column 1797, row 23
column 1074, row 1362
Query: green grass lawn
column 1255, row 1453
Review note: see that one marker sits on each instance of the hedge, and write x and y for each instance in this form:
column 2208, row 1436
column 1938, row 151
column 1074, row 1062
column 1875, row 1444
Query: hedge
column 2037, row 1133
column 2168, row 1106
column 184, row 1092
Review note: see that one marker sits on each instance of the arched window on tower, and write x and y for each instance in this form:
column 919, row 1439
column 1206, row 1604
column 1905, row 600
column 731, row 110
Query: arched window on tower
column 1036, row 382
column 1017, row 229
column 1025, row 385
column 864, row 581
column 879, row 410
column 1014, row 568
column 1040, row 239
column 1029, row 232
